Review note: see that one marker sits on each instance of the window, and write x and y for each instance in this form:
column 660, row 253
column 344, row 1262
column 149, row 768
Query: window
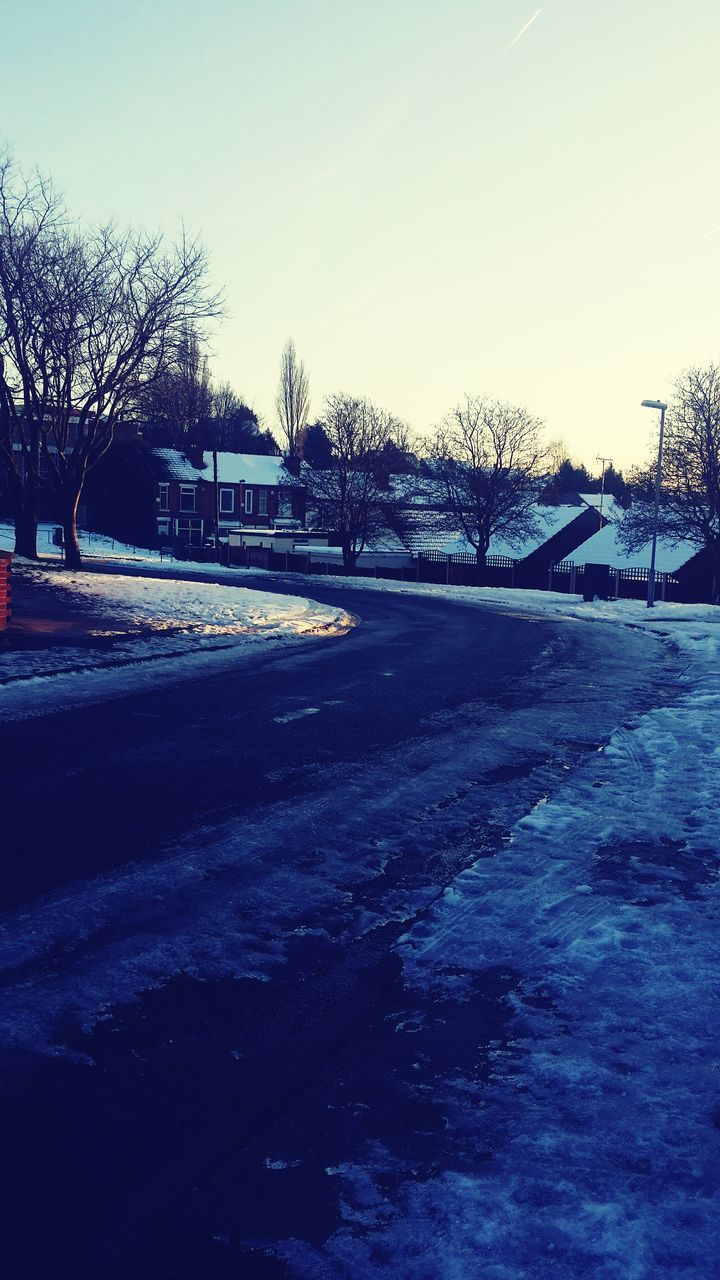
column 285, row 503
column 248, row 502
column 164, row 503
column 227, row 500
column 187, row 497
column 164, row 528
column 262, row 502
column 190, row 532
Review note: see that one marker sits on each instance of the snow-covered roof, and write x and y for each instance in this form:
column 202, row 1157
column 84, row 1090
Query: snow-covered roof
column 426, row 530
column 233, row 468
column 552, row 520
column 421, row 491
column 385, row 540
column 610, row 506
column 605, row 547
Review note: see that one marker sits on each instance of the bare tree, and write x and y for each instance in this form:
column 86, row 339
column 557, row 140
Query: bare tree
column 88, row 319
column 31, row 217
column 690, row 495
column 181, row 398
column 293, row 398
column 349, row 496
column 489, row 462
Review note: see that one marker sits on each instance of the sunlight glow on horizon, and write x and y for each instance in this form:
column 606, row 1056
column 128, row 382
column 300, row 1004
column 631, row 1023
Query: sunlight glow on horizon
column 422, row 214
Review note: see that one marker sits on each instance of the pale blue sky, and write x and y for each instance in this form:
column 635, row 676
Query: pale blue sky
column 423, row 209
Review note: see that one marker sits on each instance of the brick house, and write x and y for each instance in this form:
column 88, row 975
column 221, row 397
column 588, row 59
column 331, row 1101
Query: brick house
column 253, row 490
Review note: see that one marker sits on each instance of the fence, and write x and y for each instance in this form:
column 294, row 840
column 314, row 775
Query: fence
column 462, row 569
column 623, row 584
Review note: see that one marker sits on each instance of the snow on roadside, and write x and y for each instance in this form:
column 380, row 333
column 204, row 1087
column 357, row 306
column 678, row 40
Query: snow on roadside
column 196, row 608
column 149, row 631
column 91, row 544
column 602, row 1109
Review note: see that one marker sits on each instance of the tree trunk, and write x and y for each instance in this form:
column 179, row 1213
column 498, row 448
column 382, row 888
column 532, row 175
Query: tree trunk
column 25, row 513
column 69, row 501
column 349, row 557
column 715, row 589
column 481, row 564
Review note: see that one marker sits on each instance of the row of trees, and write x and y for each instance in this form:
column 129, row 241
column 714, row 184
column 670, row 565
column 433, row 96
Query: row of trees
column 485, row 466
column 99, row 325
column 489, row 468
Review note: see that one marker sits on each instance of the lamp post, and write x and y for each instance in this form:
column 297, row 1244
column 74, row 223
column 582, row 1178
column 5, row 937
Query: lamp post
column 655, row 404
column 604, row 462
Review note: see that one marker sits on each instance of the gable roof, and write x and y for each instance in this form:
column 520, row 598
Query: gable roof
column 605, row 548
column 610, row 508
column 233, row 468
column 552, row 520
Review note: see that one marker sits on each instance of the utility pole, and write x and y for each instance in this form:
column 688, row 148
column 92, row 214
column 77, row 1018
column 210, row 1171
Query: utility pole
column 662, row 406
column 216, row 505
column 604, row 462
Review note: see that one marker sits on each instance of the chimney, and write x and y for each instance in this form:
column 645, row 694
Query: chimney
column 194, row 455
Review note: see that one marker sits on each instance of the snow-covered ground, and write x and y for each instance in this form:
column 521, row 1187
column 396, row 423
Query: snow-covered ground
column 603, row 912
column 91, row 544
column 598, row 1110
column 164, row 629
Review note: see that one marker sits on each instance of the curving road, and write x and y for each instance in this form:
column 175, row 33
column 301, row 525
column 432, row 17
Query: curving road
column 204, row 887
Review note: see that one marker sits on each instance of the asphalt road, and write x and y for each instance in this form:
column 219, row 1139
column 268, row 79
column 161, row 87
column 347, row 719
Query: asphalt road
column 325, row 796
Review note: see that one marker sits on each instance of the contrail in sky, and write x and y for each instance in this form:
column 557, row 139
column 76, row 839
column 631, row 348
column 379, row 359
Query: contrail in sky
column 713, row 231
column 521, row 33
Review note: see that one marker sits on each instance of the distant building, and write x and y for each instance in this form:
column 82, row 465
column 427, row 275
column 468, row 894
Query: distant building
column 252, row 489
column 427, row 528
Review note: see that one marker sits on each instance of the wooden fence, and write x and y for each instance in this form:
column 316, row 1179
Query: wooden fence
column 623, row 584
column 462, row 569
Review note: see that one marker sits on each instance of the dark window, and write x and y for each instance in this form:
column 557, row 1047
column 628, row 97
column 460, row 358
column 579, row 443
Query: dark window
column 190, row 532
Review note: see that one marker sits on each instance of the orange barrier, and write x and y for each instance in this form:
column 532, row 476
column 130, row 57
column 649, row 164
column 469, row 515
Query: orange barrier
column 5, row 562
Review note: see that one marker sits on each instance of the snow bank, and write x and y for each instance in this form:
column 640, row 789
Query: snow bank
column 198, row 608
column 159, row 629
column 599, row 1110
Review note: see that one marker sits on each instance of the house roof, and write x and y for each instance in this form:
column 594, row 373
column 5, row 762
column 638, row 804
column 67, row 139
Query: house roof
column 233, row 468
column 423, row 529
column 605, row 548
column 610, row 506
column 552, row 520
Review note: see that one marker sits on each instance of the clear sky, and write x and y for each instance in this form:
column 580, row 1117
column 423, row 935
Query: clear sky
column 425, row 203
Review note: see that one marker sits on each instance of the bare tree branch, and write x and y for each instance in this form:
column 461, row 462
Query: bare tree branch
column 490, row 465
column 88, row 320
column 349, row 496
column 690, row 493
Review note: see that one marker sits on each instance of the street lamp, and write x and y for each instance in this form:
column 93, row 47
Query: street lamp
column 605, row 461
column 655, row 404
